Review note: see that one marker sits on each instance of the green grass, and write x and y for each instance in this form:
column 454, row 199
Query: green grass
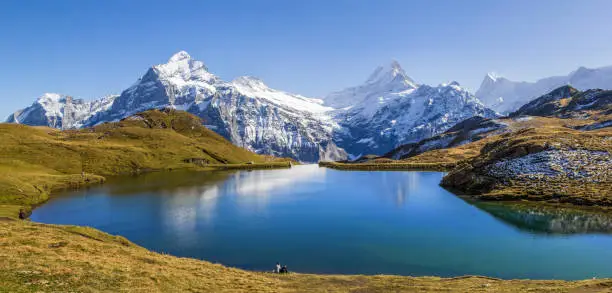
column 36, row 161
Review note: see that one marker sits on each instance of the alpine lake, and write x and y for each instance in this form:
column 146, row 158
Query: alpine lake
column 318, row 220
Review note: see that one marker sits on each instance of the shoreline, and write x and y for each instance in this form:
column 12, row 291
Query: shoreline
column 36, row 254
column 78, row 181
column 439, row 167
column 300, row 282
column 484, row 197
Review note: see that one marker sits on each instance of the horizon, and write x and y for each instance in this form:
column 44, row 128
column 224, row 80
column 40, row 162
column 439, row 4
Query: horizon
column 294, row 47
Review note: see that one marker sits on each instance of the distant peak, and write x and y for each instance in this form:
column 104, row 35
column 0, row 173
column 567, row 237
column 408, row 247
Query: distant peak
column 391, row 72
column 181, row 65
column 50, row 96
column 181, row 55
column 565, row 90
column 492, row 76
column 581, row 70
column 395, row 65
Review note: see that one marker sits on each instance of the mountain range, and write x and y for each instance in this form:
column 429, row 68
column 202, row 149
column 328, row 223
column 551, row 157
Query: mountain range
column 388, row 110
column 505, row 96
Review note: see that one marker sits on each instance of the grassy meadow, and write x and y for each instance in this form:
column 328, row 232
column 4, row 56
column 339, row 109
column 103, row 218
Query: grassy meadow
column 35, row 161
column 51, row 258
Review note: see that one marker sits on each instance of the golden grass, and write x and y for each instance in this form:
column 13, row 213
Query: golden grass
column 535, row 134
column 469, row 175
column 50, row 258
column 397, row 165
column 35, row 161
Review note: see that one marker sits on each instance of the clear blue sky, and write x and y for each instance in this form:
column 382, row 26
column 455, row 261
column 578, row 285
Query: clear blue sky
column 92, row 48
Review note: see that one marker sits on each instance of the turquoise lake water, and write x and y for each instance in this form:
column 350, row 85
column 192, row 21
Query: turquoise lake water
column 320, row 220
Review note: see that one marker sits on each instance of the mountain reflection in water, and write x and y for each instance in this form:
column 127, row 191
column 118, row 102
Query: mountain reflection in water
column 538, row 218
column 319, row 220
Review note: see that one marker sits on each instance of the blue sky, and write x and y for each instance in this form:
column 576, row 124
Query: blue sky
column 93, row 48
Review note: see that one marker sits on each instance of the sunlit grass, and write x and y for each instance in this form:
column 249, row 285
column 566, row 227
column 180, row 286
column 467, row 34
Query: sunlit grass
column 35, row 161
column 50, row 258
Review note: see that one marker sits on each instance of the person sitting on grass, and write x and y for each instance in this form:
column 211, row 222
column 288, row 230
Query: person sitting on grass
column 22, row 214
column 284, row 270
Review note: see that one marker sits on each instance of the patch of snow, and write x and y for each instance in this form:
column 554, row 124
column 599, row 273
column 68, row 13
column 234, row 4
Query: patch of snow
column 574, row 164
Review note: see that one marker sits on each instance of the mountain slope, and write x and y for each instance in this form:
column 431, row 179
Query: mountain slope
column 554, row 164
column 566, row 102
column 464, row 132
column 388, row 110
column 245, row 111
column 37, row 160
column 384, row 79
column 505, row 96
column 391, row 109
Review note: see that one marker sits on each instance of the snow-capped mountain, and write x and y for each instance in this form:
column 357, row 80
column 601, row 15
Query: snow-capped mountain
column 385, row 79
column 505, row 96
column 390, row 109
column 60, row 111
column 245, row 110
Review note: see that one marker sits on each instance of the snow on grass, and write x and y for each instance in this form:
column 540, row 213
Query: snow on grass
column 592, row 166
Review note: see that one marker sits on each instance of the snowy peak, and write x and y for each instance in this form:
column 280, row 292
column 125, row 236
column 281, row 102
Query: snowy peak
column 385, row 80
column 492, row 76
column 60, row 111
column 181, row 55
column 505, row 96
column 490, row 80
column 181, row 66
column 453, row 84
column 391, row 73
column 50, row 97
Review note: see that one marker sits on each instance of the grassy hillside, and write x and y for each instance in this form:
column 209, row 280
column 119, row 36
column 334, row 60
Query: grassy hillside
column 509, row 167
column 34, row 161
column 50, row 258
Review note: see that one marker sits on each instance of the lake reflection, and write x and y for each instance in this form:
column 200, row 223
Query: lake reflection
column 546, row 219
column 326, row 221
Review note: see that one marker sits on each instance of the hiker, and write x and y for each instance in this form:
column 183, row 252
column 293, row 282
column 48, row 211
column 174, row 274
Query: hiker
column 22, row 214
column 277, row 268
column 284, row 270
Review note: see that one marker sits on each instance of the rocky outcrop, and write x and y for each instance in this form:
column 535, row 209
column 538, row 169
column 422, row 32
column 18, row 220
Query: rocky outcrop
column 550, row 164
column 568, row 102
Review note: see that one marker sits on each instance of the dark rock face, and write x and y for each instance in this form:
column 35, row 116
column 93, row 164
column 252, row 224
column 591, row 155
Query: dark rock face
column 567, row 102
column 469, row 130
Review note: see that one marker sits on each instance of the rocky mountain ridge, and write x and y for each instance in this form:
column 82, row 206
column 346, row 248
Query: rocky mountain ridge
column 504, row 95
column 388, row 110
